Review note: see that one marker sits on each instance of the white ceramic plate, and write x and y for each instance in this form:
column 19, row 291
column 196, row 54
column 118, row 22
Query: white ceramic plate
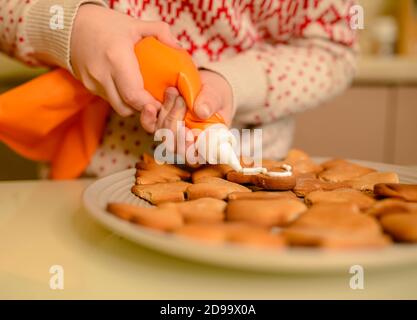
column 116, row 188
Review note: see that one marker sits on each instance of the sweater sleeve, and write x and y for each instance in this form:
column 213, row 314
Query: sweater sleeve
column 38, row 32
column 304, row 59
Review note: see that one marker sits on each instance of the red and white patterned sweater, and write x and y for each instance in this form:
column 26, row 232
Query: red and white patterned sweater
column 280, row 57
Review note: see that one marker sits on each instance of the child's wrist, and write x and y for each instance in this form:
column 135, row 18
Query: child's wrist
column 221, row 80
column 249, row 84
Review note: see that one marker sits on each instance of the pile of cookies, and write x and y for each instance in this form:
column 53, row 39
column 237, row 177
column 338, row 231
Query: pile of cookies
column 336, row 204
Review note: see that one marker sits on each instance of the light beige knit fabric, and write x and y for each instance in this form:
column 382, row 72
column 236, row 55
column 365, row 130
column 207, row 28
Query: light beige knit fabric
column 49, row 45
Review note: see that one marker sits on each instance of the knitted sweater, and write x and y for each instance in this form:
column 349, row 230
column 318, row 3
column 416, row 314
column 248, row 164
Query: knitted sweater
column 279, row 56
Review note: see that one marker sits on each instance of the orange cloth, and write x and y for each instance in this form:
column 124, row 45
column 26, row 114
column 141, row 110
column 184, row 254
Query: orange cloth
column 54, row 118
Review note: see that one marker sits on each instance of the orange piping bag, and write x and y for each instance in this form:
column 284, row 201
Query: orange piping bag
column 53, row 118
column 162, row 66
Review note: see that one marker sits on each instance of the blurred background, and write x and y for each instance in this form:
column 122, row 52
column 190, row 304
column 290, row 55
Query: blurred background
column 374, row 120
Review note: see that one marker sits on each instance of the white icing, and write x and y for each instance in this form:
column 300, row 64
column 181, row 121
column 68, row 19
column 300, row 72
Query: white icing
column 219, row 136
column 276, row 174
column 216, row 145
column 253, row 171
column 286, row 173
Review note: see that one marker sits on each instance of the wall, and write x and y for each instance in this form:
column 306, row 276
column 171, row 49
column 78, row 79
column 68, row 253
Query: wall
column 376, row 123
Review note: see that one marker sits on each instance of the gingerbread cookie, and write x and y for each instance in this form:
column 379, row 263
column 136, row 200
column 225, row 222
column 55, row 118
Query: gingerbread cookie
column 162, row 192
column 367, row 182
column 150, row 172
column 356, row 197
column 203, row 210
column 401, row 226
column 247, row 162
column 335, row 226
column 240, row 177
column 145, row 177
column 269, row 182
column 407, row 192
column 262, row 195
column 236, row 233
column 307, row 183
column 301, row 162
column 218, row 170
column 207, row 233
column 212, row 187
column 338, row 170
column 253, row 236
column 155, row 218
column 265, row 213
column 277, row 178
column 150, row 164
column 389, row 206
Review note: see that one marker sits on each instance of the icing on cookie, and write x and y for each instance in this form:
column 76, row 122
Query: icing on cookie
column 253, row 171
column 286, row 173
column 257, row 170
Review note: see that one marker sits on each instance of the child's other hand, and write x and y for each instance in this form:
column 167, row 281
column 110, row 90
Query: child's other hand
column 103, row 58
column 172, row 111
column 215, row 96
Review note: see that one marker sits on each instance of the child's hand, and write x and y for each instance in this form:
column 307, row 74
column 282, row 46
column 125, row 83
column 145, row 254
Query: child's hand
column 103, row 58
column 172, row 111
column 215, row 96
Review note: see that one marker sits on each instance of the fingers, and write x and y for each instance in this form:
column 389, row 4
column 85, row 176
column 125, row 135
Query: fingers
column 113, row 97
column 160, row 30
column 129, row 83
column 172, row 111
column 187, row 136
column 176, row 114
column 148, row 118
column 207, row 103
column 171, row 95
column 189, row 140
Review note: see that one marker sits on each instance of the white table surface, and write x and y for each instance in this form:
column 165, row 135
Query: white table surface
column 42, row 223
